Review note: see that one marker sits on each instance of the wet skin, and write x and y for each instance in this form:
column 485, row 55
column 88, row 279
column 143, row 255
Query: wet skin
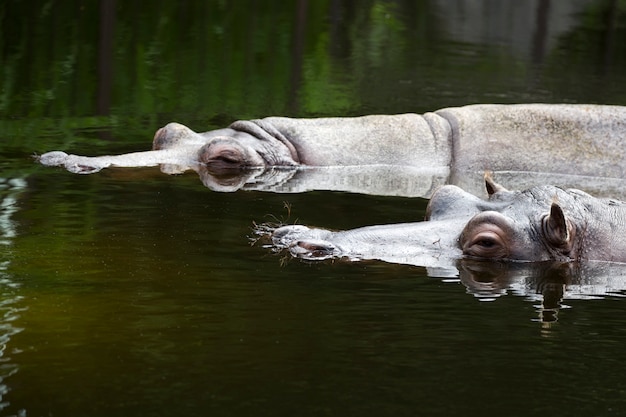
column 539, row 224
column 452, row 144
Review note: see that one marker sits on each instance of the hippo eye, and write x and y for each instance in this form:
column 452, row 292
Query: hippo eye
column 227, row 157
column 486, row 244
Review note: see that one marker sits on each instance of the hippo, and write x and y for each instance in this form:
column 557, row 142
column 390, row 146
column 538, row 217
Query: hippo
column 417, row 153
column 542, row 223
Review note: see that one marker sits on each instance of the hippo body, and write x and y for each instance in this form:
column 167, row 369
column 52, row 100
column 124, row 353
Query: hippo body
column 449, row 145
column 542, row 223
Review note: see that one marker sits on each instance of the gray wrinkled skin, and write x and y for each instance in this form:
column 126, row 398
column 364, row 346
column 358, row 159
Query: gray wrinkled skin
column 543, row 223
column 572, row 144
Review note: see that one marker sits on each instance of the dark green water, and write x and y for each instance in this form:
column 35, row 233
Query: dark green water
column 134, row 293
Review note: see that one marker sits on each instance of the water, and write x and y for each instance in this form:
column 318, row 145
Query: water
column 134, row 293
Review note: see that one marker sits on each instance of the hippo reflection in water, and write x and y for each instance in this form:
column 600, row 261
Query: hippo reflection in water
column 542, row 223
column 407, row 154
column 546, row 284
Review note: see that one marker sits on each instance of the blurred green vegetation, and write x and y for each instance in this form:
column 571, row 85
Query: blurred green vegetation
column 119, row 67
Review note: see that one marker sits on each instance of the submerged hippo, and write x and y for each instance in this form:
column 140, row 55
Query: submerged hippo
column 439, row 147
column 543, row 223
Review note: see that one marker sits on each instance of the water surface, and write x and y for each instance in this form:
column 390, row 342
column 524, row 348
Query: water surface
column 134, row 293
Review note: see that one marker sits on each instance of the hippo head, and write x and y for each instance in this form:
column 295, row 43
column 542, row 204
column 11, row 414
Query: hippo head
column 545, row 223
column 539, row 224
column 530, row 225
column 247, row 146
column 223, row 153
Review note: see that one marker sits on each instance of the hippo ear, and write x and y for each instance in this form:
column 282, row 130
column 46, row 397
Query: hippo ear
column 557, row 228
column 492, row 186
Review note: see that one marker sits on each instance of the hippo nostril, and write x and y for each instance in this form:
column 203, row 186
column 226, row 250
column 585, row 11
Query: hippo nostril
column 304, row 242
column 312, row 246
column 312, row 250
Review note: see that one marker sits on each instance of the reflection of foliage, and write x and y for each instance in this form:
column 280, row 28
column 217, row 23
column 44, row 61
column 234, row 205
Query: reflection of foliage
column 385, row 35
column 201, row 62
column 203, row 57
column 594, row 54
column 325, row 90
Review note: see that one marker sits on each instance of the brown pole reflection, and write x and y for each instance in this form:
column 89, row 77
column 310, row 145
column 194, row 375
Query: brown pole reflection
column 105, row 57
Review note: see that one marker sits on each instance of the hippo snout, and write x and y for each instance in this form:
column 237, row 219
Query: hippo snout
column 305, row 243
column 313, row 249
